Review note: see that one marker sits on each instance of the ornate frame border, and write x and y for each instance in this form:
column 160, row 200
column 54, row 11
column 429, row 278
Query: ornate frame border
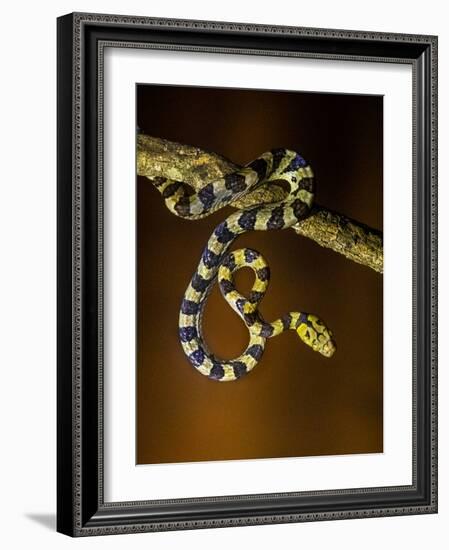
column 81, row 41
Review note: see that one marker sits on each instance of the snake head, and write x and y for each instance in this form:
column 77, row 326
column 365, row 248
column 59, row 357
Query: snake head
column 316, row 335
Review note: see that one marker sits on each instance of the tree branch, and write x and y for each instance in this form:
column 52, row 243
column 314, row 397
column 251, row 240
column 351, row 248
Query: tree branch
column 355, row 241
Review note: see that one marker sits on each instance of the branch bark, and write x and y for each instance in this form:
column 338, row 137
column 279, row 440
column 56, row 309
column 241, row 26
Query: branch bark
column 355, row 241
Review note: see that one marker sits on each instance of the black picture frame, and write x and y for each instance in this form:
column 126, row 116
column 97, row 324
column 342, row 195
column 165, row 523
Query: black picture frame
column 81, row 510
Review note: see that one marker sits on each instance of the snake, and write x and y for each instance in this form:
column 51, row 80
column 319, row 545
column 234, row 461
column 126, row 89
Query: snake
column 280, row 166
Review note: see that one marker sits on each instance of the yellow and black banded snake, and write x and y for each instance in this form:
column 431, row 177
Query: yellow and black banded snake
column 280, row 166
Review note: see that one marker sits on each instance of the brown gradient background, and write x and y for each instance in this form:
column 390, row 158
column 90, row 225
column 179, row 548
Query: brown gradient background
column 295, row 402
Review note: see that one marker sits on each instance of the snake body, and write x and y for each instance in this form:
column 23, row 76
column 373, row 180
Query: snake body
column 276, row 167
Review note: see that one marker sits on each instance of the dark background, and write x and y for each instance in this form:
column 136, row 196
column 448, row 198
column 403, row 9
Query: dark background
column 295, row 402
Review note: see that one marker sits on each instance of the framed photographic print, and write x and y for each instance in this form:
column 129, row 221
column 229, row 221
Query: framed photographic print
column 246, row 274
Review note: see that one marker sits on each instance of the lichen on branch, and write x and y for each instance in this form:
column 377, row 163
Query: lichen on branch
column 159, row 157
